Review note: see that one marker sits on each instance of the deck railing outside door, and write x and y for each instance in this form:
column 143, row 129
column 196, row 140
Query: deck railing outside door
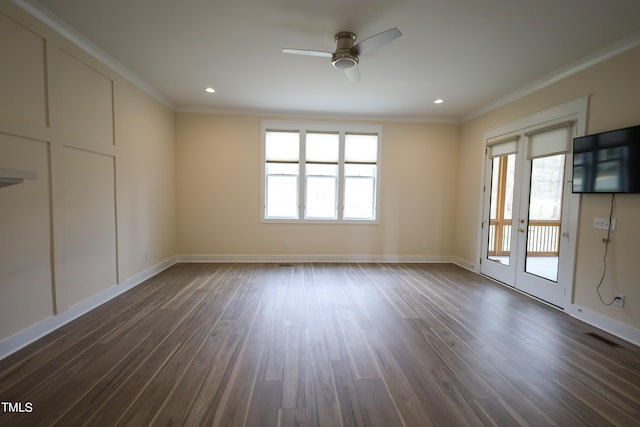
column 544, row 238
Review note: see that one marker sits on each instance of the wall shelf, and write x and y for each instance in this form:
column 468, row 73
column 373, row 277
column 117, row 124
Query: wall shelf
column 15, row 176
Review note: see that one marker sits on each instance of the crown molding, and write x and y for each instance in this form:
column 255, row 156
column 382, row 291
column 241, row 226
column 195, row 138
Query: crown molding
column 601, row 55
column 316, row 114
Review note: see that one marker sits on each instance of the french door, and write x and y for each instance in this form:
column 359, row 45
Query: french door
column 526, row 210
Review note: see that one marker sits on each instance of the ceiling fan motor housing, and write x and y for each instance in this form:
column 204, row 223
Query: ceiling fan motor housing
column 344, row 58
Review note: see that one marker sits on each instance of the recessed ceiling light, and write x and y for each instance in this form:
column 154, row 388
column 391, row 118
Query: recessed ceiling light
column 438, row 101
column 209, row 90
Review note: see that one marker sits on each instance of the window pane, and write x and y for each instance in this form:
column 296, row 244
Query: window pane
column 545, row 205
column 282, row 146
column 322, row 147
column 547, row 176
column 359, row 198
column 511, row 174
column 360, row 148
column 330, row 170
column 360, row 170
column 501, row 208
column 495, row 177
column 282, row 196
column 282, row 169
column 321, row 197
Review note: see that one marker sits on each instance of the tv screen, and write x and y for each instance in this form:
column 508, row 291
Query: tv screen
column 607, row 162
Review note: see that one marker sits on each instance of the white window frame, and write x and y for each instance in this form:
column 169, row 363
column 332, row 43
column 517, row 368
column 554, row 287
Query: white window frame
column 340, row 128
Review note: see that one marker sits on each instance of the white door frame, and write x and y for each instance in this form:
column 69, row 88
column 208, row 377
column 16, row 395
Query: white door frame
column 576, row 111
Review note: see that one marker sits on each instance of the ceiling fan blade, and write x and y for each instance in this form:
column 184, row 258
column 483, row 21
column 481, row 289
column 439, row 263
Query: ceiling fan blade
column 353, row 74
column 308, row 52
column 374, row 42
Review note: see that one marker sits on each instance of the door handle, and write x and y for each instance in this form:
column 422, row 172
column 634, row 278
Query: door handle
column 521, row 230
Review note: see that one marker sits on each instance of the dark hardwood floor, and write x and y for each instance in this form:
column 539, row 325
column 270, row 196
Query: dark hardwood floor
column 323, row 345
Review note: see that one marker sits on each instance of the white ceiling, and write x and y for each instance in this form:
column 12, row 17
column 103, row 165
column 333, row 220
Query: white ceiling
column 471, row 53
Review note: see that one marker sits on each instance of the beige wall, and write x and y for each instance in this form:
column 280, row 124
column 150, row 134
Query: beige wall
column 102, row 208
column 614, row 103
column 218, row 166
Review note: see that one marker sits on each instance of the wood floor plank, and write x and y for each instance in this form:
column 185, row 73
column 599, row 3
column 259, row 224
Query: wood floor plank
column 322, row 401
column 323, row 344
column 433, row 388
column 359, row 354
column 294, row 381
column 143, row 410
column 351, row 409
column 377, row 405
column 496, row 381
column 223, row 370
column 265, row 403
column 235, row 403
column 600, row 404
column 293, row 417
column 498, row 414
column 411, row 410
column 105, row 387
column 215, row 348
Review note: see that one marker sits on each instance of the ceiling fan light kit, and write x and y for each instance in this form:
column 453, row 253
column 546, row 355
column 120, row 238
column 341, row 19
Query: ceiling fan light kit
column 344, row 57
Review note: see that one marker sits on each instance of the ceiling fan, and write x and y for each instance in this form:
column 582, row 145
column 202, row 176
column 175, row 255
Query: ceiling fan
column 346, row 56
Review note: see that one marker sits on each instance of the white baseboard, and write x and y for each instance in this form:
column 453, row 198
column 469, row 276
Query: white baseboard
column 27, row 336
column 317, row 258
column 468, row 265
column 607, row 324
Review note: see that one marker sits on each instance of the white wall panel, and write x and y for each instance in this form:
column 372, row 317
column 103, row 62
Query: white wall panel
column 25, row 237
column 89, row 224
column 22, row 74
column 83, row 103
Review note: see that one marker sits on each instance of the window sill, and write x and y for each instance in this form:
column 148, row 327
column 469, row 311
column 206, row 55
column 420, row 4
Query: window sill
column 321, row 221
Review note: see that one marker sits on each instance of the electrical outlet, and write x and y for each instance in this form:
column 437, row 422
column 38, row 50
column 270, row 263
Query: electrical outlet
column 424, row 245
column 286, row 243
column 618, row 300
column 603, row 224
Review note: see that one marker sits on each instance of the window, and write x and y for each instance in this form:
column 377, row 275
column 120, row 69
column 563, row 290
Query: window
column 320, row 172
column 281, row 171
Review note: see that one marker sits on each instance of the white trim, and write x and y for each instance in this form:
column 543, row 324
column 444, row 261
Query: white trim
column 41, row 13
column 316, row 115
column 607, row 324
column 27, row 336
column 576, row 111
column 466, row 264
column 399, row 259
column 302, row 128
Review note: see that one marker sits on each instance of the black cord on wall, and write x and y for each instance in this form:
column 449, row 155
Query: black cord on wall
column 606, row 250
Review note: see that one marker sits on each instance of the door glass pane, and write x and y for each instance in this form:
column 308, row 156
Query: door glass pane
column 545, row 214
column 501, row 207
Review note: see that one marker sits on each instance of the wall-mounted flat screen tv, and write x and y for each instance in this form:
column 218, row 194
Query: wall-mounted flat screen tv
column 607, row 162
